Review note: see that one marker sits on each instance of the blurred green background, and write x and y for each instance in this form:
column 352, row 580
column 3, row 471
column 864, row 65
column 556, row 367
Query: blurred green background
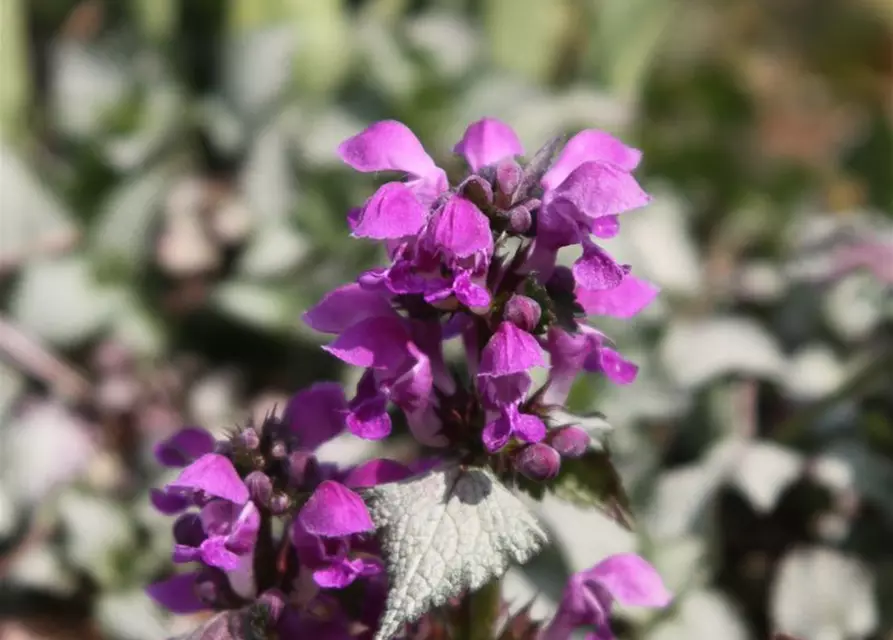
column 170, row 203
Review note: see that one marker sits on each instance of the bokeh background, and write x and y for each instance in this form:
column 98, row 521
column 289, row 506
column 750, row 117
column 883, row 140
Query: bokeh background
column 171, row 203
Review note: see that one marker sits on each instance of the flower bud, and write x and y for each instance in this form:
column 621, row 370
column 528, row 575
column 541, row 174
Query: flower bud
column 508, row 175
column 523, row 312
column 302, row 468
column 279, row 450
column 279, row 503
column 477, row 190
column 570, row 441
column 538, row 462
column 274, row 601
column 249, row 438
column 520, row 219
column 260, row 487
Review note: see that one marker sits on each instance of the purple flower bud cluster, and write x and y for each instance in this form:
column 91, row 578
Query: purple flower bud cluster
column 477, row 263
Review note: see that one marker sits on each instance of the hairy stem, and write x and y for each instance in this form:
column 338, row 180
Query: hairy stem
column 480, row 611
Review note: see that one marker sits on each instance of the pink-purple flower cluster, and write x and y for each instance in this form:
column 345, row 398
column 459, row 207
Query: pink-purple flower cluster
column 478, row 263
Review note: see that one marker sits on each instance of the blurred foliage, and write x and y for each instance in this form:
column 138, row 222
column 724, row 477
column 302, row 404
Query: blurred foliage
column 171, row 203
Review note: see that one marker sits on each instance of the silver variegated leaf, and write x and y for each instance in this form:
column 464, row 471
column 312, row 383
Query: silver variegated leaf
column 449, row 530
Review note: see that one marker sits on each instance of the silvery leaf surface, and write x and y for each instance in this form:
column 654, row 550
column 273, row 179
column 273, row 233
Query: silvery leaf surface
column 444, row 532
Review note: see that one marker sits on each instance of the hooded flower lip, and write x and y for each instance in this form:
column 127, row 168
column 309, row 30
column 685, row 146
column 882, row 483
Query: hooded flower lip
column 178, row 593
column 231, row 532
column 510, row 350
column 334, row 511
column 625, row 300
column 345, row 306
column 596, row 270
column 392, row 212
column 590, row 595
column 316, row 414
column 216, row 476
column 377, row 343
column 460, row 230
column 594, row 190
column 512, row 423
column 591, row 145
column 184, row 447
column 488, row 141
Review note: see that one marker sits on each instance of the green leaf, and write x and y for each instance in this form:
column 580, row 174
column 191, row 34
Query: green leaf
column 525, row 35
column 14, row 97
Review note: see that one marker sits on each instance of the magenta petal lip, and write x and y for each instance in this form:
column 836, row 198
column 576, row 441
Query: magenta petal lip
column 334, row 511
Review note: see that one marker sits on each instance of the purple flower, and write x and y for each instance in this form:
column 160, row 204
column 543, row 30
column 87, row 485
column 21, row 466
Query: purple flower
column 184, row 447
column 585, row 350
column 230, row 532
column 590, row 146
column 623, row 301
column 488, row 141
column 590, row 595
column 215, row 475
column 459, row 230
column 376, row 471
column 345, row 306
column 512, row 423
column 178, row 594
column 392, row 212
column 334, row 511
column 510, row 350
column 316, row 414
column 391, row 146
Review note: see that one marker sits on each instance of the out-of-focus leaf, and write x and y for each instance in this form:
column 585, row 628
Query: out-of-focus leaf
column 257, row 65
column 41, row 568
column 129, row 615
column 42, row 448
column 628, row 32
column 813, row 372
column 98, row 535
column 324, row 43
column 446, row 531
column 265, row 306
column 764, row 471
column 61, row 301
column 160, row 116
column 448, row 39
column 701, row 614
column 820, row 593
column 856, row 304
column 872, row 472
column 14, row 97
column 525, row 36
column 87, row 85
column 122, row 229
column 386, row 64
column 33, row 220
column 268, row 179
column 11, row 384
column 157, row 17
column 695, row 352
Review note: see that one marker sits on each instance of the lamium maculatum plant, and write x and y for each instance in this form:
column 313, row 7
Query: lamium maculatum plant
column 285, row 546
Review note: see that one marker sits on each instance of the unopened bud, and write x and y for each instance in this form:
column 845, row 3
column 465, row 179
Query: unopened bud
column 260, row 487
column 249, row 438
column 523, row 312
column 477, row 190
column 520, row 219
column 538, row 462
column 279, row 503
column 508, row 176
column 570, row 442
column 302, row 467
column 274, row 601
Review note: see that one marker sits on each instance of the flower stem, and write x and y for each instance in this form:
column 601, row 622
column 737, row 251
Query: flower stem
column 481, row 611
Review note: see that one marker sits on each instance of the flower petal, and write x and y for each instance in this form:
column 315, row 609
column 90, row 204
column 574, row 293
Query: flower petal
column 316, row 414
column 595, row 270
column 588, row 146
column 528, row 428
column 334, row 511
column 345, row 306
column 496, row 433
column 376, row 471
column 215, row 554
column 169, row 502
column 387, row 146
column 631, row 580
column 378, row 343
column 177, row 594
column 392, row 212
column 510, row 350
column 595, row 190
column 184, row 447
column 215, row 475
column 369, row 419
column 488, row 141
column 613, row 365
column 623, row 301
column 460, row 230
column 336, row 575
